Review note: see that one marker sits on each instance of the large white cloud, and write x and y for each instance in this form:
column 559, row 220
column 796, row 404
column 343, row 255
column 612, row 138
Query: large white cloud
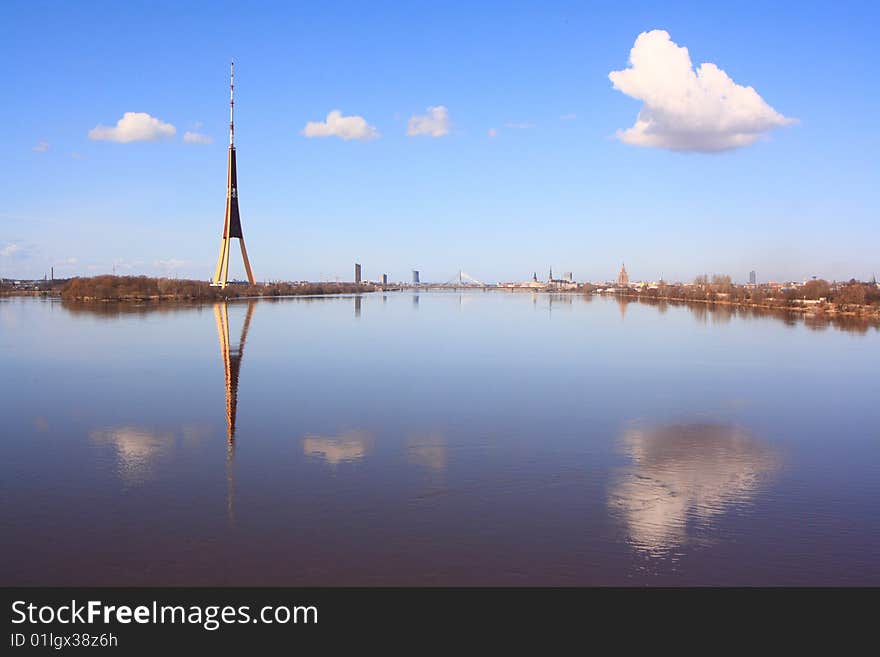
column 434, row 124
column 344, row 127
column 686, row 109
column 134, row 126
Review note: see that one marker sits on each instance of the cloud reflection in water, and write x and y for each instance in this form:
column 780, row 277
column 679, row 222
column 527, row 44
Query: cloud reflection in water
column 348, row 446
column 428, row 451
column 136, row 449
column 686, row 475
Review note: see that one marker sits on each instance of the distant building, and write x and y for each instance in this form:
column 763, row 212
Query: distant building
column 357, row 272
column 622, row 277
column 533, row 284
column 384, row 279
column 415, row 276
column 753, row 278
column 566, row 283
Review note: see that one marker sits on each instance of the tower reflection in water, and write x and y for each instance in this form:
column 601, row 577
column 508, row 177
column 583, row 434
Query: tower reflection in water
column 683, row 478
column 232, row 356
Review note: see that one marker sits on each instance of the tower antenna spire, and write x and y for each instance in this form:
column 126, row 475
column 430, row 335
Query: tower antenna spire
column 231, row 102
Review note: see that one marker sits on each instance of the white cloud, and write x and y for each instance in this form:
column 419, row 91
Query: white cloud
column 134, row 126
column 77, row 156
column 686, row 109
column 344, row 127
column 435, row 123
column 41, row 147
column 196, row 138
column 521, row 125
column 492, row 133
column 11, row 249
column 170, row 264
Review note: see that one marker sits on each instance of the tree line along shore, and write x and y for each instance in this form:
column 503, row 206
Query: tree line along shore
column 143, row 288
column 815, row 296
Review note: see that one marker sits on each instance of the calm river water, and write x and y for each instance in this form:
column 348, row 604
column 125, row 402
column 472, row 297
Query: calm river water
column 438, row 438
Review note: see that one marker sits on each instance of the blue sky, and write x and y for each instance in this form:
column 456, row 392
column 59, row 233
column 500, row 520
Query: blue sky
column 555, row 186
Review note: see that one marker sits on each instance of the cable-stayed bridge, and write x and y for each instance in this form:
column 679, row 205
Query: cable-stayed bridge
column 462, row 279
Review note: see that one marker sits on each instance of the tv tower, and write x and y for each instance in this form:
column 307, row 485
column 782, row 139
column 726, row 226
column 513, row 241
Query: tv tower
column 232, row 222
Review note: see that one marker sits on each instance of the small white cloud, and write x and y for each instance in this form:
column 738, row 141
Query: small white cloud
column 344, row 127
column 522, row 125
column 134, row 126
column 685, row 109
column 435, row 123
column 492, row 133
column 10, row 250
column 170, row 264
column 196, row 138
column 197, row 125
column 41, row 147
column 571, row 116
column 77, row 156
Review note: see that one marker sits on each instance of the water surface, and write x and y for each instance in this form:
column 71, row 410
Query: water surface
column 437, row 438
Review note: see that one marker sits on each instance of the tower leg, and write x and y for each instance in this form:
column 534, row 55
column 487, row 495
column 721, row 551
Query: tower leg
column 247, row 263
column 224, row 275
column 223, row 257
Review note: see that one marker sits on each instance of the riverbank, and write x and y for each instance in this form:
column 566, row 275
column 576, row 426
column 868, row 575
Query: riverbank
column 145, row 289
column 821, row 309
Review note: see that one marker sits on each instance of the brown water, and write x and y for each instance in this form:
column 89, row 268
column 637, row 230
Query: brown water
column 476, row 438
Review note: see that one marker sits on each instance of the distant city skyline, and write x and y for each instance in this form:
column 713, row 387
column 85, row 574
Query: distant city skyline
column 497, row 142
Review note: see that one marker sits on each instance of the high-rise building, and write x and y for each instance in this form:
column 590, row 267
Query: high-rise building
column 415, row 276
column 232, row 222
column 384, row 279
column 622, row 277
column 357, row 272
column 753, row 278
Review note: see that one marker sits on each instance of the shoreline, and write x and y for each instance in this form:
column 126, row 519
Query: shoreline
column 142, row 289
column 830, row 310
column 110, row 290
